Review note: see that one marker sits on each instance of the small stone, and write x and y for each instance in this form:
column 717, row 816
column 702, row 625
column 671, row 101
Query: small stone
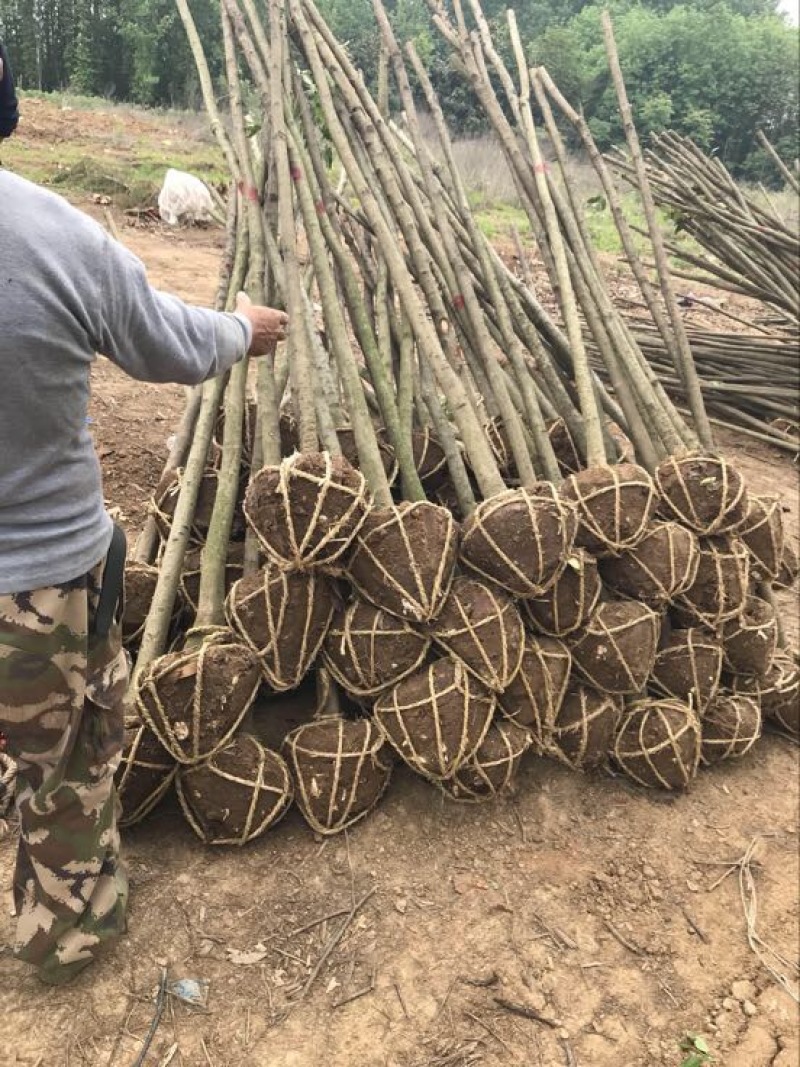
column 563, row 1034
column 744, row 990
column 730, row 1004
column 401, row 905
column 648, row 871
column 749, row 1008
column 693, row 887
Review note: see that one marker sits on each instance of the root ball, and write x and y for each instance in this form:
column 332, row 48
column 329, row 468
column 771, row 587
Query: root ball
column 194, row 700
column 584, row 728
column 368, row 649
column 614, row 504
column 341, row 769
column 283, row 616
column 569, row 602
column 702, row 492
column 306, row 511
column 481, row 626
column 520, row 539
column 236, row 795
column 661, row 566
column 731, row 726
column 658, row 744
column 616, row 651
column 749, row 640
column 492, row 768
column 403, row 559
column 534, row 697
column 436, row 718
column 688, row 667
column 144, row 775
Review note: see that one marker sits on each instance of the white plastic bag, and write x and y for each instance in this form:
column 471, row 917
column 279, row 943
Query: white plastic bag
column 184, row 198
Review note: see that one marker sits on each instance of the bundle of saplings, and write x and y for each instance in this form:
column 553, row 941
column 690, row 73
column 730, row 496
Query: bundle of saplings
column 426, row 505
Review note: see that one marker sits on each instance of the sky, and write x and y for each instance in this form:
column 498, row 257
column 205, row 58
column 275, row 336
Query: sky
column 790, row 7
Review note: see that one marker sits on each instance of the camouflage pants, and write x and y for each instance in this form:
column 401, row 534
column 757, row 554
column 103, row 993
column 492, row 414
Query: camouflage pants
column 61, row 692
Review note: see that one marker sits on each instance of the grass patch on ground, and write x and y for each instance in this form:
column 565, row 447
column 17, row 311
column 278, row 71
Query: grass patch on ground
column 81, row 146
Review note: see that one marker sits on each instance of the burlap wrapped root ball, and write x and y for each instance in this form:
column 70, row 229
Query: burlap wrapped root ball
column 614, row 506
column 584, row 728
column 764, row 537
column 778, row 693
column 702, row 492
column 191, row 574
column 789, row 568
column 749, row 640
column 533, row 699
column 283, row 616
column 144, row 775
column 520, row 539
column 616, row 650
column 347, row 442
column 731, row 725
column 569, row 602
column 429, row 459
column 661, row 566
column 567, row 455
column 657, row 744
column 368, row 649
column 480, row 625
column 492, row 768
column 436, row 718
column 688, row 667
column 341, row 769
column 306, row 511
column 500, row 445
column 140, row 585
column 720, row 586
column 165, row 500
column 194, row 700
column 403, row 559
column 237, row 794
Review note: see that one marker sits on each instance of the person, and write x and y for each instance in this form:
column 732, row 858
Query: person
column 9, row 108
column 68, row 291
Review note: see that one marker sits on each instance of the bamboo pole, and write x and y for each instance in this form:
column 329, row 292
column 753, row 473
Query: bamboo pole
column 461, row 411
column 786, row 174
column 595, row 448
column 300, row 357
column 691, row 382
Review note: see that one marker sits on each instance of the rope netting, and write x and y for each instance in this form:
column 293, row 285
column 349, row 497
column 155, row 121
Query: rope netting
column 237, row 794
column 340, row 770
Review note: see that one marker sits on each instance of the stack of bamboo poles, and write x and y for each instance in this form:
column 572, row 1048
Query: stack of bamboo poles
column 746, row 247
column 750, row 381
column 432, row 506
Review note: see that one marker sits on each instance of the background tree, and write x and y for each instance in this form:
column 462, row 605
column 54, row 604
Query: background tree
column 715, row 70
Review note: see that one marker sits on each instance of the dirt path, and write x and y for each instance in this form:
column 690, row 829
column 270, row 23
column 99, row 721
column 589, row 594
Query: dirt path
column 589, row 903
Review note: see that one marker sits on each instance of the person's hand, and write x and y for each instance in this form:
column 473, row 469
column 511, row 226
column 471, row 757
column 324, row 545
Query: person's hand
column 269, row 325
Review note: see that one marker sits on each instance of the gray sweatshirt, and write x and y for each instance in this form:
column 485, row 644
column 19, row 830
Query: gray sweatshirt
column 68, row 291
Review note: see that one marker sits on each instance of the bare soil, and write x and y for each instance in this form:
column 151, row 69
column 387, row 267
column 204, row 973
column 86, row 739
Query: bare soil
column 582, row 921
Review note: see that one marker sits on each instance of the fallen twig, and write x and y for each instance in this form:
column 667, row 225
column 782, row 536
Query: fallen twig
column 622, row 939
column 492, row 1033
column 161, row 997
column 525, row 1012
column 334, row 941
column 700, row 933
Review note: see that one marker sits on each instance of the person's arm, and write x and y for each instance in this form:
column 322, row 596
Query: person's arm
column 158, row 338
column 9, row 107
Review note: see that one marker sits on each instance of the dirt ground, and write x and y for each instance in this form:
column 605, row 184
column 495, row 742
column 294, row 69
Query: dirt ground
column 580, row 922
